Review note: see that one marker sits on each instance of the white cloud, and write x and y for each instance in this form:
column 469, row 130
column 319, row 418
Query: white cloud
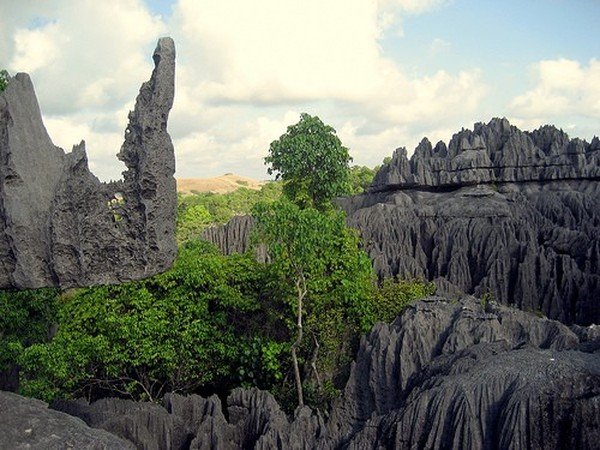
column 265, row 56
column 565, row 92
column 563, row 87
column 244, row 72
column 271, row 51
column 37, row 48
column 413, row 6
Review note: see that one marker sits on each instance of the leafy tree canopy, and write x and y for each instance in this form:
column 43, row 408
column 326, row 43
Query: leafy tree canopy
column 312, row 162
column 176, row 332
column 319, row 271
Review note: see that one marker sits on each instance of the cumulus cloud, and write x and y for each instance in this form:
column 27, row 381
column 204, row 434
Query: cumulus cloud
column 269, row 56
column 87, row 60
column 566, row 92
column 439, row 46
column 563, row 87
column 245, row 71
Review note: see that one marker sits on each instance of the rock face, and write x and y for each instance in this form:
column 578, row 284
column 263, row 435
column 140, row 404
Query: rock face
column 29, row 424
column 59, row 225
column 232, row 237
column 498, row 211
column 254, row 420
column 463, row 375
column 444, row 375
column 496, row 152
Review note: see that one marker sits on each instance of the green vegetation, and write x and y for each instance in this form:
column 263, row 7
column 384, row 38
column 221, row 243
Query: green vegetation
column 4, row 76
column 360, row 178
column 325, row 280
column 395, row 295
column 26, row 318
column 214, row 322
column 200, row 210
column 312, row 162
column 176, row 332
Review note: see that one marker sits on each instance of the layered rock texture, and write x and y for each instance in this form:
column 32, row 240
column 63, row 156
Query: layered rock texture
column 61, row 226
column 498, row 211
column 446, row 374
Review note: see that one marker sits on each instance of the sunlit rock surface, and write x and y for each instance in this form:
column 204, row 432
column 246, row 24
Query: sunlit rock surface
column 61, row 226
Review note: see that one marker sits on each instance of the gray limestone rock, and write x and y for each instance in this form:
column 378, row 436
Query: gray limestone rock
column 496, row 152
column 29, row 424
column 499, row 211
column 444, row 375
column 254, row 420
column 59, row 225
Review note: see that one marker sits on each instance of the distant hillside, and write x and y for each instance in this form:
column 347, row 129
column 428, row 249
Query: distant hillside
column 220, row 185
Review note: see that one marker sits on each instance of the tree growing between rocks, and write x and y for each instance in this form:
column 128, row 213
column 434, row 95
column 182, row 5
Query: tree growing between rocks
column 312, row 162
column 323, row 277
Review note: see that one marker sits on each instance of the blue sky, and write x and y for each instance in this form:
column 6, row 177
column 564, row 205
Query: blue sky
column 384, row 73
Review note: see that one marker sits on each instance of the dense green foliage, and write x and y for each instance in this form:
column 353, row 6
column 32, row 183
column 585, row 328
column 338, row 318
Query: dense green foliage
column 185, row 329
column 360, row 178
column 4, row 76
column 311, row 161
column 214, row 322
column 26, row 318
column 394, row 295
column 200, row 210
column 209, row 324
column 323, row 277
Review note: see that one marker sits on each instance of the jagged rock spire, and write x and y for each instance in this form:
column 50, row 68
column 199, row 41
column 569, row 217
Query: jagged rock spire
column 59, row 225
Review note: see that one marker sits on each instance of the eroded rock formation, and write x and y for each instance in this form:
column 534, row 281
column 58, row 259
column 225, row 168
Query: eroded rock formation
column 61, row 226
column 445, row 374
column 498, row 211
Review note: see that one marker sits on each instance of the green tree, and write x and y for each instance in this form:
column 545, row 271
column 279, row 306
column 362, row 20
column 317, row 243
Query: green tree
column 311, row 161
column 26, row 318
column 178, row 331
column 4, row 76
column 191, row 222
column 360, row 178
column 324, row 278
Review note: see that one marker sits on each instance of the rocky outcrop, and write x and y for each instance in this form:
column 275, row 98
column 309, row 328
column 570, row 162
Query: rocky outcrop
column 445, row 374
column 498, row 211
column 61, row 226
column 232, row 237
column 496, row 152
column 29, row 424
column 468, row 375
column 251, row 419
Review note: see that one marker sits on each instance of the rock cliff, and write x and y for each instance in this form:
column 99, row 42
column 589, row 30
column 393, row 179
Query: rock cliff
column 61, row 226
column 498, row 211
column 445, row 374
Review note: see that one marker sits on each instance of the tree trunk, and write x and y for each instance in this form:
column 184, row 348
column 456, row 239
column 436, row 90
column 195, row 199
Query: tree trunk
column 313, row 364
column 301, row 288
